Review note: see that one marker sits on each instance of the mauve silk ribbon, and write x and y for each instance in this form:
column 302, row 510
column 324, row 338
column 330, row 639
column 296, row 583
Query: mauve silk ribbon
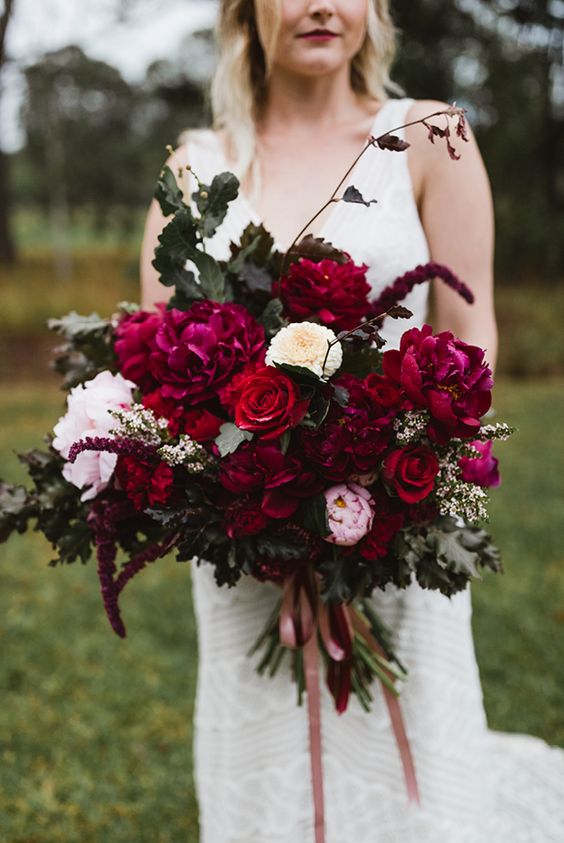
column 301, row 613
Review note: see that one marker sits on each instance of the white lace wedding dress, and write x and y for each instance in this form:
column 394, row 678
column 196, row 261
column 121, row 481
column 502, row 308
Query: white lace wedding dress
column 252, row 766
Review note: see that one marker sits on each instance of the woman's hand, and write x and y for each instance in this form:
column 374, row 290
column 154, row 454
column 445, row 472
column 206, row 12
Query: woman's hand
column 456, row 209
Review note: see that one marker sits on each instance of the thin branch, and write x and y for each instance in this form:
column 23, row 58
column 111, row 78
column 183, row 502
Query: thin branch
column 372, row 141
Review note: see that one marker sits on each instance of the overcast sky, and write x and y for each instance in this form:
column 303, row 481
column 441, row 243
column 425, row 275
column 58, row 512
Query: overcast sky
column 38, row 26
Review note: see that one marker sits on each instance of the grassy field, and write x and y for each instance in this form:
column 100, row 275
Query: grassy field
column 95, row 732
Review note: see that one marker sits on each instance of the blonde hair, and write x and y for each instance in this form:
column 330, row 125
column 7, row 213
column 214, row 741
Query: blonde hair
column 247, row 32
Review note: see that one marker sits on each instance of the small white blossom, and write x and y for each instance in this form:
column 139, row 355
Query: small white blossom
column 140, row 423
column 306, row 344
column 186, row 452
column 411, row 426
column 499, row 430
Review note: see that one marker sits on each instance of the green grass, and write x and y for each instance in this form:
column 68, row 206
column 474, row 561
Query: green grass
column 95, row 732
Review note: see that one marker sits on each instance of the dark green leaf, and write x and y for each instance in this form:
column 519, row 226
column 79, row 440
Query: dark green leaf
column 272, row 319
column 313, row 515
column 399, row 312
column 300, row 374
column 212, row 281
column 178, row 239
column 352, row 194
column 213, row 201
column 168, row 194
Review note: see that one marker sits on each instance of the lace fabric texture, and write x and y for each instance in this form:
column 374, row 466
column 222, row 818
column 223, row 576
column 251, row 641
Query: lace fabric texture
column 252, row 766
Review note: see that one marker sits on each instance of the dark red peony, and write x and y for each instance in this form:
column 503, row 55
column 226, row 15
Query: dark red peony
column 144, row 483
column 135, row 342
column 244, row 517
column 261, row 467
column 482, row 470
column 335, row 294
column 199, row 350
column 444, row 375
column 351, row 440
column 411, row 472
column 268, row 403
column 167, row 408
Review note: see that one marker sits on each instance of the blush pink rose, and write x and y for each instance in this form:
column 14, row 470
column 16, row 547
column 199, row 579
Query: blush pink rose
column 350, row 512
column 88, row 414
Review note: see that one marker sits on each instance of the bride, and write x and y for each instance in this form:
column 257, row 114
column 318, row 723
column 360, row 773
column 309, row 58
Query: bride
column 299, row 86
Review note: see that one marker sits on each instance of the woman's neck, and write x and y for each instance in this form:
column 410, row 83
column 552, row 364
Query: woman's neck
column 300, row 102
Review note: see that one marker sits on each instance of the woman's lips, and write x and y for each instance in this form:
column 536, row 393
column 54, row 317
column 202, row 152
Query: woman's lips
column 318, row 36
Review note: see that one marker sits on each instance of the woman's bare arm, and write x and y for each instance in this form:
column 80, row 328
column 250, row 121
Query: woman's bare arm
column 152, row 290
column 456, row 210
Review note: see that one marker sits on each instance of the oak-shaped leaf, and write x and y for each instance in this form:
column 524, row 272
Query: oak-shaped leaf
column 399, row 312
column 317, row 249
column 392, row 142
column 230, row 437
column 272, row 318
column 213, row 201
column 168, row 194
column 353, row 194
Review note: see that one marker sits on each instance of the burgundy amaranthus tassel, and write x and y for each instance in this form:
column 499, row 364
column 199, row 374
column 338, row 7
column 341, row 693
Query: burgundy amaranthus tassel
column 104, row 517
column 403, row 285
column 125, row 447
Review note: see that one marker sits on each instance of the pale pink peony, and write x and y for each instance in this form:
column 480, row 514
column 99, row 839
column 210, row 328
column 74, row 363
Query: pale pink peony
column 88, row 407
column 350, row 512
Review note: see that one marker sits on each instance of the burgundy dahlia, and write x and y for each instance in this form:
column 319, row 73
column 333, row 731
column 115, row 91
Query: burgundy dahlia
column 144, row 482
column 333, row 293
column 198, row 351
column 444, row 375
column 135, row 342
column 351, row 439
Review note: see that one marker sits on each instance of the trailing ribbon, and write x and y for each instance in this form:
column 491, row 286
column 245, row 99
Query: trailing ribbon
column 396, row 716
column 302, row 615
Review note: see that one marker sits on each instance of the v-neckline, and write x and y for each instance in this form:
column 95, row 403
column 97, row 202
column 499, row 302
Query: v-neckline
column 254, row 217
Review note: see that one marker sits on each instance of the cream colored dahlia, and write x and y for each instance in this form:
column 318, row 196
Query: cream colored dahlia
column 305, row 344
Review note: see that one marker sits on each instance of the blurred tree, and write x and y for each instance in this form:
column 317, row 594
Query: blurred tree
column 503, row 61
column 7, row 249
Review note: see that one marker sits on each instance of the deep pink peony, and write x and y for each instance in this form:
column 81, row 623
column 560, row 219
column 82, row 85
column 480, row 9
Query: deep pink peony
column 199, row 350
column 335, row 294
column 482, row 470
column 135, row 341
column 444, row 375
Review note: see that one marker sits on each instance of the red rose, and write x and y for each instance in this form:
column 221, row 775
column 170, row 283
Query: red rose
column 244, row 518
column 201, row 425
column 144, row 483
column 412, row 472
column 268, row 403
column 335, row 294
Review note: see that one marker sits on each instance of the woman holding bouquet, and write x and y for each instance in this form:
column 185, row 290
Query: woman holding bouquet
column 299, row 87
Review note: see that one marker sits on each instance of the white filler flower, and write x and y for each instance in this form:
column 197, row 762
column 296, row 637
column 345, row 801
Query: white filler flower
column 305, row 344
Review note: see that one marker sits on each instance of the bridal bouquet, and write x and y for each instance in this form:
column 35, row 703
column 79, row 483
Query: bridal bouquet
column 258, row 422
